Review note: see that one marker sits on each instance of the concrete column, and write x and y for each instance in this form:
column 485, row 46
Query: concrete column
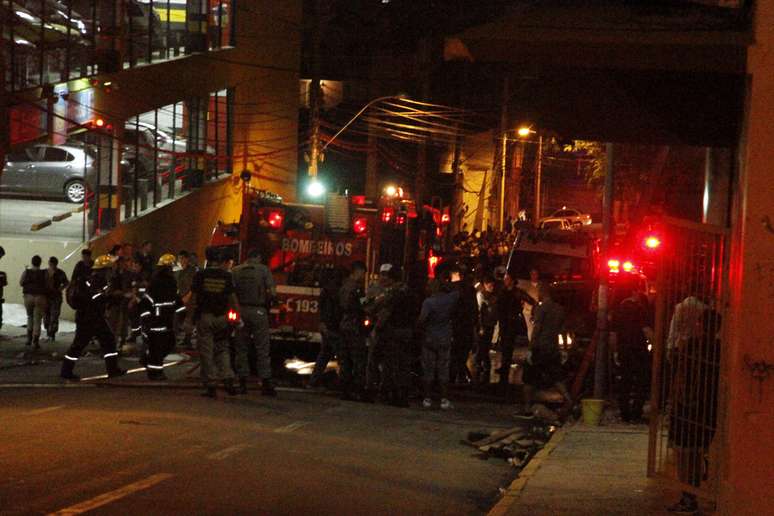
column 747, row 478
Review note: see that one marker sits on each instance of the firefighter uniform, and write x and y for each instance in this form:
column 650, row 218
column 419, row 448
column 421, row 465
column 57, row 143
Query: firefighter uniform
column 353, row 353
column 212, row 289
column 254, row 289
column 158, row 308
column 90, row 322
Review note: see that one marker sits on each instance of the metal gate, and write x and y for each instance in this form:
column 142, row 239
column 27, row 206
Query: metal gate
column 685, row 408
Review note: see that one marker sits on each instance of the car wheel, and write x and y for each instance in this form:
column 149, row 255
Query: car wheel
column 75, row 191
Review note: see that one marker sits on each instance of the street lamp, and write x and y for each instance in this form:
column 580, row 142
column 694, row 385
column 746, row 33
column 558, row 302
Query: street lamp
column 523, row 132
column 315, row 188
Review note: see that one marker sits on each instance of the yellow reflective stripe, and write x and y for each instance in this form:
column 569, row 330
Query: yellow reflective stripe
column 173, row 15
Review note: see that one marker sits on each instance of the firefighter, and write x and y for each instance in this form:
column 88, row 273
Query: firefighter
column 158, row 308
column 354, row 352
column 212, row 296
column 255, row 291
column 393, row 330
column 90, row 295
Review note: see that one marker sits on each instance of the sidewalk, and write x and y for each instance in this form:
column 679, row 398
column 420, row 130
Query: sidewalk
column 592, row 471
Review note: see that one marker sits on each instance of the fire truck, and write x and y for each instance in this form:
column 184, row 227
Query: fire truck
column 305, row 244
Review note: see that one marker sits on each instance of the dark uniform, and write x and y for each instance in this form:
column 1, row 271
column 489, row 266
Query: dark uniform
column 213, row 287
column 394, row 332
column 513, row 328
column 90, row 324
column 544, row 369
column 254, row 288
column 628, row 321
column 330, row 322
column 464, row 329
column 353, row 355
column 158, row 308
column 487, row 321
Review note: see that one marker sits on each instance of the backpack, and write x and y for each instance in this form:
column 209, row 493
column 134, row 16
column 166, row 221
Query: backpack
column 77, row 292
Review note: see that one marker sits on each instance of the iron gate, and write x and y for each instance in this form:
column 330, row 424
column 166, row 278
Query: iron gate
column 685, row 408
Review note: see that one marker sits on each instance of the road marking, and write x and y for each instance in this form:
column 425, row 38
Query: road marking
column 112, row 496
column 42, row 410
column 227, row 452
column 292, row 427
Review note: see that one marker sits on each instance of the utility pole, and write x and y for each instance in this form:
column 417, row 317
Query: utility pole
column 600, row 367
column 500, row 154
column 538, row 180
column 315, row 92
column 459, row 187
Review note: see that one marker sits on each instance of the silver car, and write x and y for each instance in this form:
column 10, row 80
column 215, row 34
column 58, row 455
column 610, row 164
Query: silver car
column 48, row 171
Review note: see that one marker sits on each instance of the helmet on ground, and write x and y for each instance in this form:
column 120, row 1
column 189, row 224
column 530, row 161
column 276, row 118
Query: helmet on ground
column 167, row 260
column 102, row 262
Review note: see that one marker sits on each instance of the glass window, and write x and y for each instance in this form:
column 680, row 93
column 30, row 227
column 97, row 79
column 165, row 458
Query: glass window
column 16, row 157
column 56, row 154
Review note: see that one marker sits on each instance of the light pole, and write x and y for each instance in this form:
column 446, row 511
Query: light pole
column 523, row 132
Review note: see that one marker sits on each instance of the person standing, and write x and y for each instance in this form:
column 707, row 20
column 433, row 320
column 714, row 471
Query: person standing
column 330, row 321
column 89, row 296
column 184, row 322
column 487, row 321
column 145, row 258
column 630, row 330
column 531, row 287
column 543, row 367
column 513, row 328
column 83, row 267
column 56, row 282
column 393, row 329
column 463, row 325
column 354, row 352
column 255, row 290
column 158, row 307
column 212, row 294
column 34, row 288
column 3, row 284
column 435, row 319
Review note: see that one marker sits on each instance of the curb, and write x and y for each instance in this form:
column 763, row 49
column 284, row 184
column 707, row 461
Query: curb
column 513, row 492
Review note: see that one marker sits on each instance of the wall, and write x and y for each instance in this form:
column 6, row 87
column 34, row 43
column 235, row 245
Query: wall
column 747, row 479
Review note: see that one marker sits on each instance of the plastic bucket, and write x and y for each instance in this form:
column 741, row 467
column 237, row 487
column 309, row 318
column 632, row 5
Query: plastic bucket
column 592, row 411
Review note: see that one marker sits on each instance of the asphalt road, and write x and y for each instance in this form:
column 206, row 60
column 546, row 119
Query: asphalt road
column 144, row 450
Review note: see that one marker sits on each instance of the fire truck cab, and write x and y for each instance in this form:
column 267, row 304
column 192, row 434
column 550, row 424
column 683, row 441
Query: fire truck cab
column 304, row 245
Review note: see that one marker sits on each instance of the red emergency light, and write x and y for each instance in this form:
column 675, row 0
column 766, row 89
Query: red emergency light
column 275, row 218
column 400, row 219
column 627, row 266
column 99, row 122
column 652, row 242
column 232, row 316
column 432, row 263
column 445, row 219
column 360, row 225
column 614, row 265
column 388, row 213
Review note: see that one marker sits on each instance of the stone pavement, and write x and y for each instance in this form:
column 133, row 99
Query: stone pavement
column 594, row 471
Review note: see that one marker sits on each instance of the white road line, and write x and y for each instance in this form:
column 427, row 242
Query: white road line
column 227, row 452
column 114, row 495
column 42, row 410
column 292, row 427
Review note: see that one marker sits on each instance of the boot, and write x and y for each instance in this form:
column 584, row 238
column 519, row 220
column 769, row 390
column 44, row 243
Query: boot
column 67, row 371
column 267, row 388
column 242, row 386
column 230, row 389
column 111, row 364
column 210, row 392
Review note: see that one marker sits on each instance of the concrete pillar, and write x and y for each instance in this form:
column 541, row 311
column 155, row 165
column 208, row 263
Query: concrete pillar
column 747, row 474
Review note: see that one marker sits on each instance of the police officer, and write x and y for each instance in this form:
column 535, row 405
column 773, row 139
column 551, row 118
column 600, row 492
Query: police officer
column 255, row 290
column 353, row 354
column 393, row 328
column 158, row 308
column 212, row 296
column 90, row 296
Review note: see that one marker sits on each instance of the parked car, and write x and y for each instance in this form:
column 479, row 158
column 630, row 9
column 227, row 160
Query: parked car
column 574, row 216
column 556, row 224
column 48, row 171
column 145, row 134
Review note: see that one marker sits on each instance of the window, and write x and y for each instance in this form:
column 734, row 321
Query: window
column 566, row 213
column 56, row 154
column 17, row 157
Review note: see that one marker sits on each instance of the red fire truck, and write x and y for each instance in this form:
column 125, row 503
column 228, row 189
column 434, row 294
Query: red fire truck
column 302, row 244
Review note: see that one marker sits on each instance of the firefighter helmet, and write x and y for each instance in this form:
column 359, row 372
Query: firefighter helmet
column 102, row 262
column 167, row 260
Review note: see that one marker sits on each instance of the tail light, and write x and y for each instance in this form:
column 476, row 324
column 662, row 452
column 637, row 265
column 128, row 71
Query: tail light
column 360, row 225
column 388, row 214
column 628, row 266
column 367, row 322
column 614, row 265
column 652, row 242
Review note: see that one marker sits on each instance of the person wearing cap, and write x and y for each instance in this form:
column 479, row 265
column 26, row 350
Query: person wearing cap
column 3, row 284
column 157, row 308
column 255, row 291
column 393, row 330
column 90, row 323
